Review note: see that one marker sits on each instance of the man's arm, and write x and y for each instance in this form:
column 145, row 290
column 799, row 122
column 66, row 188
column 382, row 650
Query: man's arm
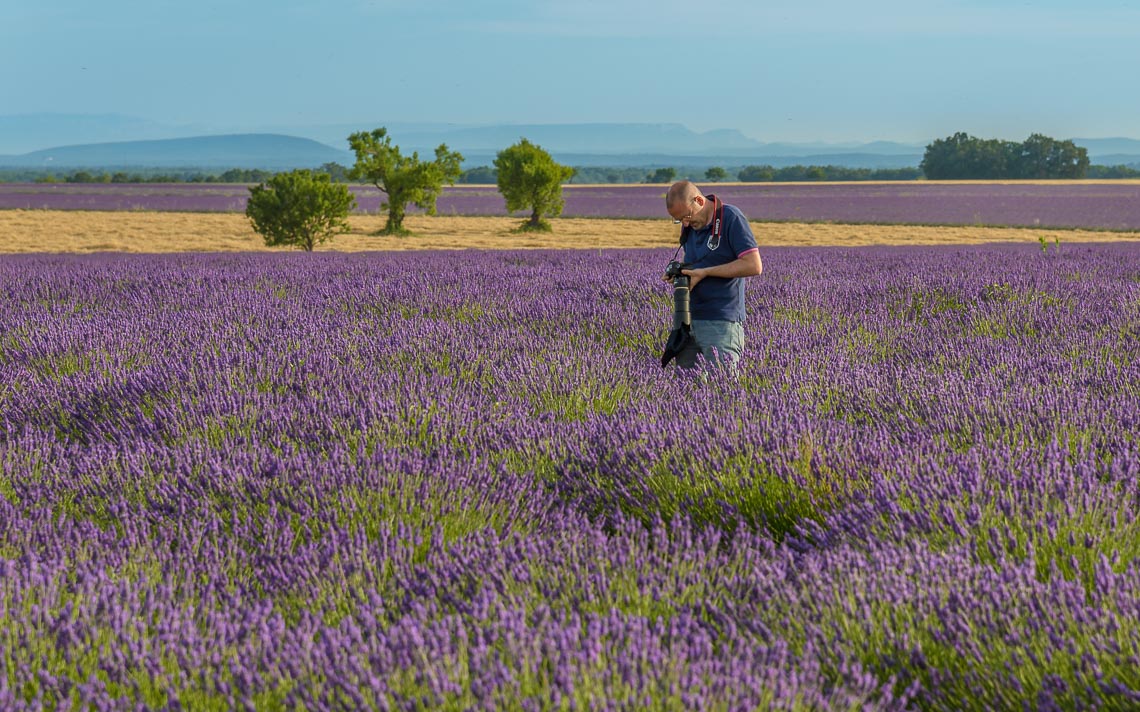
column 748, row 264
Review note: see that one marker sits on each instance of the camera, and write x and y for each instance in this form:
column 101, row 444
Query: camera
column 673, row 271
column 680, row 335
column 680, row 293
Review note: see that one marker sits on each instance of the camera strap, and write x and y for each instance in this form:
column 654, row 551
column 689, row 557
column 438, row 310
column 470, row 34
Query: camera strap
column 718, row 220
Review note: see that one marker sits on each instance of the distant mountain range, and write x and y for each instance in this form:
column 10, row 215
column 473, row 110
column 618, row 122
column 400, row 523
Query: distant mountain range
column 265, row 151
column 101, row 142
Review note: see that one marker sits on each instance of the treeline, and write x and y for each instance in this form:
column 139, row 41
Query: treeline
column 336, row 171
column 487, row 175
column 768, row 174
column 1112, row 172
column 962, row 156
column 234, row 175
column 798, row 174
column 957, row 157
column 747, row 174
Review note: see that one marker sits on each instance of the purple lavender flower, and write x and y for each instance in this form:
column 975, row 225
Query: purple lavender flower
column 287, row 480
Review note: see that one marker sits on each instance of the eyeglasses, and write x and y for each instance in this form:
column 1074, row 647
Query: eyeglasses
column 678, row 221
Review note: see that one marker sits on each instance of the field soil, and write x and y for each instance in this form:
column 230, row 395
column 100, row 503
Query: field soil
column 30, row 231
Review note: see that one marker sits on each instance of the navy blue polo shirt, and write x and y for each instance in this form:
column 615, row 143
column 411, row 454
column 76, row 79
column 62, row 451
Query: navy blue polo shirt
column 717, row 298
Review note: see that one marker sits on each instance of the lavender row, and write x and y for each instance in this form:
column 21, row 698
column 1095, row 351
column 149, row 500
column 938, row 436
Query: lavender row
column 329, row 481
column 1114, row 206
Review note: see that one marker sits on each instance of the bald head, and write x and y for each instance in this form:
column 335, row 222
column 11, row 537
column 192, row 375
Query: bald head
column 681, row 193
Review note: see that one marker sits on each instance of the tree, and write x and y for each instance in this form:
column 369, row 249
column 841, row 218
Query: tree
column 299, row 208
column 1070, row 160
column 1117, row 171
column 1044, row 157
column 661, row 175
column 756, row 174
column 337, row 172
column 405, row 179
column 963, row 156
column 1034, row 157
column 479, row 174
column 529, row 178
column 943, row 157
column 716, row 174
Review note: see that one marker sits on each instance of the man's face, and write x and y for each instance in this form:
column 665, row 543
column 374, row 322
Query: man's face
column 690, row 213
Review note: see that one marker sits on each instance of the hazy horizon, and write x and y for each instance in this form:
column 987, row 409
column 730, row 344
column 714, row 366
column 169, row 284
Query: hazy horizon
column 817, row 71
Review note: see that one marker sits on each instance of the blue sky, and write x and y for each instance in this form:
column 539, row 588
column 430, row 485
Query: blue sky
column 782, row 70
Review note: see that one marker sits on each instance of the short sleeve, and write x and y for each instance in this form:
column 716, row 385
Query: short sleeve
column 740, row 233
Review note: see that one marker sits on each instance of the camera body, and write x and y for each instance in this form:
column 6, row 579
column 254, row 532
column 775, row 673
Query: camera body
column 673, row 272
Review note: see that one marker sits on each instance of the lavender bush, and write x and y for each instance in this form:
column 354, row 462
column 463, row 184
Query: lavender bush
column 460, row 480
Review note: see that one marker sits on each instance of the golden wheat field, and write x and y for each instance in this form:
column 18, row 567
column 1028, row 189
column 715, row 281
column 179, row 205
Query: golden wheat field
column 27, row 231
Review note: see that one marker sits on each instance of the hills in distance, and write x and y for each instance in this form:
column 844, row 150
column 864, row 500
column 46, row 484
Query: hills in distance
column 99, row 142
column 265, row 151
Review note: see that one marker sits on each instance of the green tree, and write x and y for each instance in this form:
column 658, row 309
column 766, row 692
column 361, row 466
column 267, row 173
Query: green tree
column 479, row 174
column 1044, row 157
column 337, row 172
column 300, row 208
column 661, row 175
column 756, row 174
column 716, row 174
column 529, row 178
column 1070, row 160
column 404, row 179
column 1034, row 157
column 1117, row 171
column 962, row 156
column 944, row 157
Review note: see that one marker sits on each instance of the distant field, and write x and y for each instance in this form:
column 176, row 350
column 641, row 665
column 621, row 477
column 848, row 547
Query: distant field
column 1098, row 205
column 29, row 231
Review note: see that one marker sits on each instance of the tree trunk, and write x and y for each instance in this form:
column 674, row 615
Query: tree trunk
column 395, row 224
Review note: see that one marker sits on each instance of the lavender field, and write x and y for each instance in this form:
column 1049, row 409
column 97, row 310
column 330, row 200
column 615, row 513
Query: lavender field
column 461, row 480
column 1102, row 206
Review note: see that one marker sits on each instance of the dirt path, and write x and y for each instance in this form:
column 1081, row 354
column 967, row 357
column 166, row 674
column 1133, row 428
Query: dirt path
column 23, row 231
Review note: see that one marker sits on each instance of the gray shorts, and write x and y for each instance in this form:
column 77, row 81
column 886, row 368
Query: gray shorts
column 720, row 342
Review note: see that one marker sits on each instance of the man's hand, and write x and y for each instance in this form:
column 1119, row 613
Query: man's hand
column 695, row 276
column 748, row 265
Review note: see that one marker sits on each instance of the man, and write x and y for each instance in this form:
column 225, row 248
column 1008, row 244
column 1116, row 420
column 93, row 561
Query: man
column 720, row 252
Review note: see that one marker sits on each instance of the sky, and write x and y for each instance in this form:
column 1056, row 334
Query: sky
column 776, row 70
